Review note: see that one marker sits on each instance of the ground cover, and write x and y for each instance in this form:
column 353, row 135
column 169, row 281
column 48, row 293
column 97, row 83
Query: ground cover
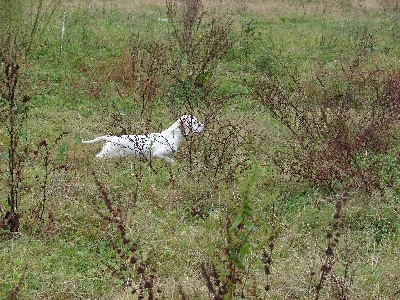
column 246, row 211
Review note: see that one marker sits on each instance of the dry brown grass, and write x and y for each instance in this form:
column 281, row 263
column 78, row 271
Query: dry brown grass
column 260, row 8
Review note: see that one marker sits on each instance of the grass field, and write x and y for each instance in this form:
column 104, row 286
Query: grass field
column 291, row 193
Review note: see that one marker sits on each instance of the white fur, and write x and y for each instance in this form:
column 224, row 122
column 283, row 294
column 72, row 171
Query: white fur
column 161, row 145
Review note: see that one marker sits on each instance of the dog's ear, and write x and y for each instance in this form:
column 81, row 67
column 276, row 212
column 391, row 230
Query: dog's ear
column 184, row 126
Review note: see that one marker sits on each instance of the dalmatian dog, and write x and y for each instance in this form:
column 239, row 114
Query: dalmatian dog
column 163, row 145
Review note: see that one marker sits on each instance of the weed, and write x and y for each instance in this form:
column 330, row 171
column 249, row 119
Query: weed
column 150, row 68
column 249, row 35
column 48, row 166
column 127, row 253
column 226, row 272
column 14, row 112
column 332, row 236
column 227, row 148
column 267, row 262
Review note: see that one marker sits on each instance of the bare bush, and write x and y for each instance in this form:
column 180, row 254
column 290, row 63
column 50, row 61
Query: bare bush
column 143, row 76
column 186, row 18
column 150, row 70
column 343, row 127
column 200, row 45
column 226, row 151
column 51, row 164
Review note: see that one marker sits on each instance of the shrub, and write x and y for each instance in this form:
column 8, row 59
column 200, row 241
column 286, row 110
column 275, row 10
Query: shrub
column 200, row 43
column 343, row 126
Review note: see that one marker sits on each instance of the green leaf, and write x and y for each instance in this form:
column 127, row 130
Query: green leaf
column 239, row 264
column 238, row 221
column 249, row 225
column 18, row 262
column 237, row 260
column 244, row 250
column 232, row 254
column 247, row 210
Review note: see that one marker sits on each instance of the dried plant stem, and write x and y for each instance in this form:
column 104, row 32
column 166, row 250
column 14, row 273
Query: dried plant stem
column 15, row 116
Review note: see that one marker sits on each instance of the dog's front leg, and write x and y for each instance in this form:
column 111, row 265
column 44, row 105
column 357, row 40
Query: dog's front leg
column 168, row 159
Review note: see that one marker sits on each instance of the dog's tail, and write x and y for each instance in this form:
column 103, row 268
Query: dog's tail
column 100, row 138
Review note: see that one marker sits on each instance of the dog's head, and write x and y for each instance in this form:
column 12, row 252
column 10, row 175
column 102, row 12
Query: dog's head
column 188, row 125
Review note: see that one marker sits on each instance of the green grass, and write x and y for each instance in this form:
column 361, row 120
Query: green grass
column 178, row 215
